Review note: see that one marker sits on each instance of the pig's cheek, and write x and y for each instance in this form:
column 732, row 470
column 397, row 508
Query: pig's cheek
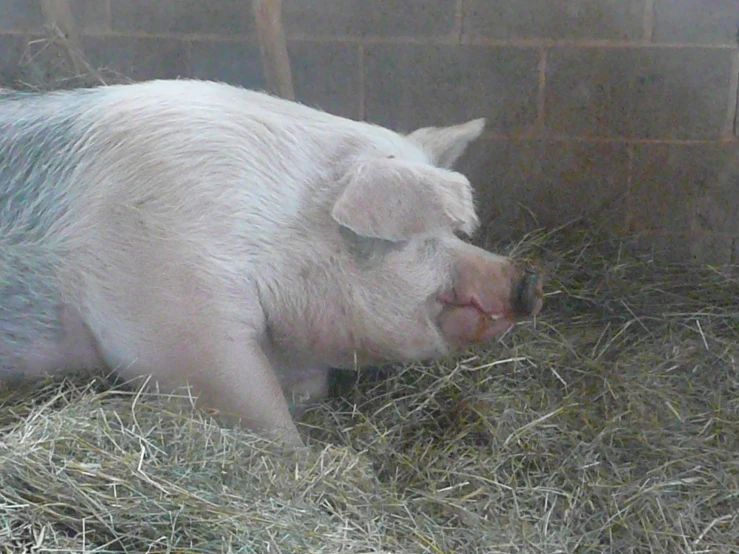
column 462, row 326
column 459, row 326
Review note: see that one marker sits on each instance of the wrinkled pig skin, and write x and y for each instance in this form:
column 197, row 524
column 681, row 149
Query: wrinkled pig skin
column 207, row 235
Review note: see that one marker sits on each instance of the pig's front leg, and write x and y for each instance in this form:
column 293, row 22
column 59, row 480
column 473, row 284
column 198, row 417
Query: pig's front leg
column 227, row 370
column 304, row 386
column 244, row 387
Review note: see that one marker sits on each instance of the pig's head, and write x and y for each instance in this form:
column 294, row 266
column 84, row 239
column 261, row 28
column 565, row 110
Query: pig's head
column 415, row 290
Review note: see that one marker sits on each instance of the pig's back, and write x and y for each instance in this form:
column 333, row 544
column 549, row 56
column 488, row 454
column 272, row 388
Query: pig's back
column 186, row 151
column 39, row 142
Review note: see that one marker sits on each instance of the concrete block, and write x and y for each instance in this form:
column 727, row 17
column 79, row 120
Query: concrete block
column 21, row 15
column 684, row 189
column 91, row 15
column 411, row 85
column 664, row 93
column 697, row 22
column 327, row 76
column 357, row 18
column 236, row 63
column 526, row 184
column 224, row 17
column 563, row 19
column 139, row 58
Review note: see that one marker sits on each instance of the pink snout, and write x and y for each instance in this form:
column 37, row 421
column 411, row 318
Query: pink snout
column 489, row 295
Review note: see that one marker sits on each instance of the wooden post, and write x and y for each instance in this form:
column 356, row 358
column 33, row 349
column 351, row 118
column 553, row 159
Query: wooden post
column 273, row 47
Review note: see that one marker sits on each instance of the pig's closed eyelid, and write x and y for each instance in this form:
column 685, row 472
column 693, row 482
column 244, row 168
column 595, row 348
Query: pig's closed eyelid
column 461, row 234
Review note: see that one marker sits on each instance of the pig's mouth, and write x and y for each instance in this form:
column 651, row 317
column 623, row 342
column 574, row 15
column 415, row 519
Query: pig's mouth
column 464, row 320
column 462, row 324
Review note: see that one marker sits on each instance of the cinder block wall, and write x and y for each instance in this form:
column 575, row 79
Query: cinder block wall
column 619, row 112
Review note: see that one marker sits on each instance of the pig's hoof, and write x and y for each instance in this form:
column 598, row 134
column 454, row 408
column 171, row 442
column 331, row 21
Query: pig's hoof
column 528, row 295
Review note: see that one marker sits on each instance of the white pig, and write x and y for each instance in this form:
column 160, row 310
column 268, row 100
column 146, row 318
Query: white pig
column 204, row 234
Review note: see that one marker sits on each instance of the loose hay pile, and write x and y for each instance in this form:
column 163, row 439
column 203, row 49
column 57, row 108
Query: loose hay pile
column 610, row 424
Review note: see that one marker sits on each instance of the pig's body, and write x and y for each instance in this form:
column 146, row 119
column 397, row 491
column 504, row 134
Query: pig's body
column 206, row 234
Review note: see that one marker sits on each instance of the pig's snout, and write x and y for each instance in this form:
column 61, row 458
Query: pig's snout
column 489, row 295
column 527, row 294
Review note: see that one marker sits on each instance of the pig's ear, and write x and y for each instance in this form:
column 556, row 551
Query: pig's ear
column 445, row 145
column 393, row 199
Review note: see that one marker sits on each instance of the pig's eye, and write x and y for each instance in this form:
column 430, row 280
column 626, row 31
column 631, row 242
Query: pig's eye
column 367, row 251
column 461, row 235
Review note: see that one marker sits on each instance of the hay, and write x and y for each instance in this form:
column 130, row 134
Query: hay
column 609, row 424
column 49, row 62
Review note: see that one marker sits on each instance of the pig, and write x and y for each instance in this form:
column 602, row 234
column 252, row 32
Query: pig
column 207, row 235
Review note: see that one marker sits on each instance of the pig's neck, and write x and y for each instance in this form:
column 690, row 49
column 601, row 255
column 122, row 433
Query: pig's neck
column 312, row 313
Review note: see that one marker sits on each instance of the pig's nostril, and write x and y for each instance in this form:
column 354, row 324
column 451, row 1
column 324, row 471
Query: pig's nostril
column 527, row 295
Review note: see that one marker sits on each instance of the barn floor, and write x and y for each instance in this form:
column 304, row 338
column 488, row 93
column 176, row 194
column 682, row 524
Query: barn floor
column 609, row 424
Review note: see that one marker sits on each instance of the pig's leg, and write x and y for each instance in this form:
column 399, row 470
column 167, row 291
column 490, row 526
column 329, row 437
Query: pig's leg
column 39, row 332
column 304, row 387
column 227, row 372
column 245, row 387
column 28, row 311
